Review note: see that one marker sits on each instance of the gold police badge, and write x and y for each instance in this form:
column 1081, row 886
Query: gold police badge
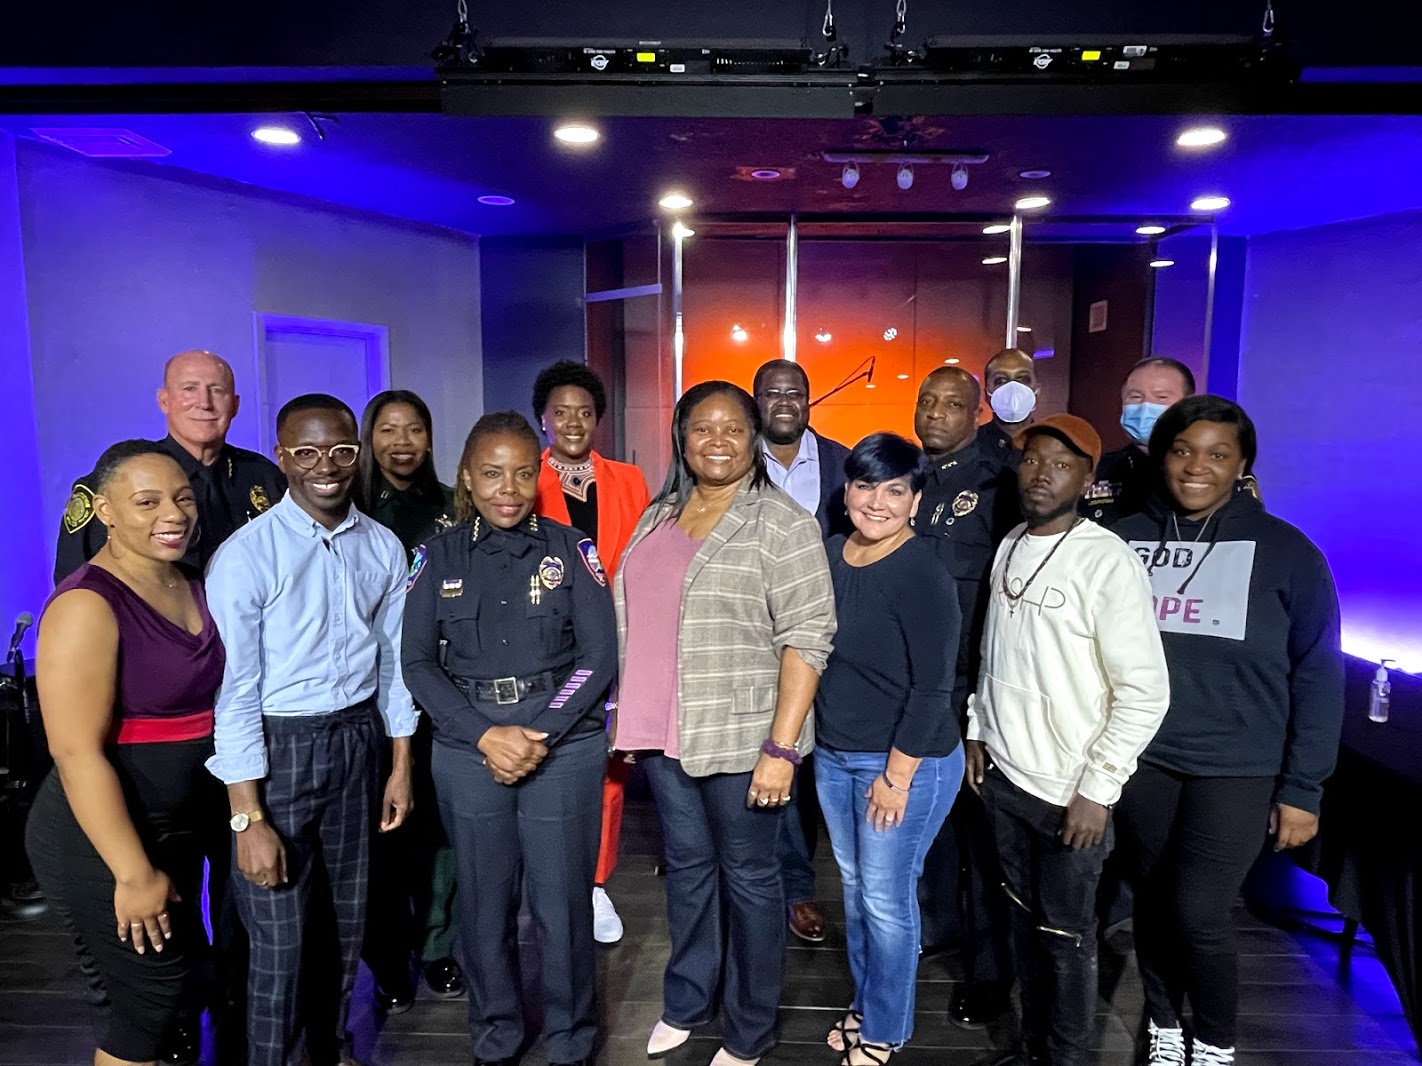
column 258, row 496
column 964, row 502
column 79, row 509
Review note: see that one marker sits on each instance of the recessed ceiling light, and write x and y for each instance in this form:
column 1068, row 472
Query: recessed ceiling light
column 681, row 229
column 278, row 135
column 1024, row 329
column 950, row 362
column 995, row 229
column 994, row 260
column 870, row 385
column 890, row 333
column 576, row 133
column 824, row 336
column 1209, row 203
column 1031, row 203
column 496, row 201
column 739, row 335
column 766, row 174
column 1162, row 263
column 1035, row 175
column 903, row 377
column 1201, row 137
column 849, row 176
column 1150, row 231
column 676, row 201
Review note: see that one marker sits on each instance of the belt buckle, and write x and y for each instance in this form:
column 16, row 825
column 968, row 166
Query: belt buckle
column 505, row 690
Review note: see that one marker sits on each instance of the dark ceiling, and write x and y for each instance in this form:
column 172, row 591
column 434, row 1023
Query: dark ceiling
column 1280, row 172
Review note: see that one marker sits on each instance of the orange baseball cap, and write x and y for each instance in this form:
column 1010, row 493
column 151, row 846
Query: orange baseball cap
column 1074, row 432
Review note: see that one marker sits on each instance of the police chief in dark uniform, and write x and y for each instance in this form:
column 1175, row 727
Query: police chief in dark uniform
column 510, row 646
column 1125, row 477
column 968, row 506
column 232, row 485
column 412, row 870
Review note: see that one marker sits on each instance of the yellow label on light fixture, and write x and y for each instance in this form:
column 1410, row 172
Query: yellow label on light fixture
column 646, row 57
column 1091, row 55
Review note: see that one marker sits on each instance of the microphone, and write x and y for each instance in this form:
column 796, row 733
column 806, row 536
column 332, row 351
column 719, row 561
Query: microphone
column 22, row 623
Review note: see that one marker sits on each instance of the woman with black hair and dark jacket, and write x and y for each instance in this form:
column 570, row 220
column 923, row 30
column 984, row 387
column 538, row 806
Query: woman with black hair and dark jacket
column 412, row 872
column 1248, row 615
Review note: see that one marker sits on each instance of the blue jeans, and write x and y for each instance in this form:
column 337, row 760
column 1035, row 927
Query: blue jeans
column 725, row 905
column 798, row 828
column 880, row 871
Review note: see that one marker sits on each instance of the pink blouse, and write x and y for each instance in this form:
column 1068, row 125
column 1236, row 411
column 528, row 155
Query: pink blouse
column 653, row 576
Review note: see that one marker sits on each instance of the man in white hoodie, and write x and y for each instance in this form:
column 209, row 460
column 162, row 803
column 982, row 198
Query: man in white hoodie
column 1073, row 687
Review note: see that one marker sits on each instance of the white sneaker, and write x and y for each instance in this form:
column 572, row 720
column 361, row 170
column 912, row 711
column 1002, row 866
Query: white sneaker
column 1203, row 1054
column 1167, row 1047
column 607, row 926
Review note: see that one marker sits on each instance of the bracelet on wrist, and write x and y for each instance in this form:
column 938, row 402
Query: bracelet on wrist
column 893, row 787
column 777, row 751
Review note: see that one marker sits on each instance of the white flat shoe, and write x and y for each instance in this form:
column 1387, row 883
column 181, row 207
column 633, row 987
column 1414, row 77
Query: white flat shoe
column 725, row 1058
column 665, row 1038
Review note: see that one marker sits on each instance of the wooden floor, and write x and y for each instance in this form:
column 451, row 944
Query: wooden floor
column 1298, row 1007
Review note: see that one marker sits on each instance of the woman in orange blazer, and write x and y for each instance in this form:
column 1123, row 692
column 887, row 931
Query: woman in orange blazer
column 604, row 499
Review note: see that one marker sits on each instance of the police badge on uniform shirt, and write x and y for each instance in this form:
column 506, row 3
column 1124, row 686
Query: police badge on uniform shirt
column 964, row 502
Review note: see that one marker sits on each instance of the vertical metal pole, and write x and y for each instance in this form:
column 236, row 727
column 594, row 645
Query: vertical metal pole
column 1210, row 304
column 792, row 289
column 678, row 334
column 1014, row 278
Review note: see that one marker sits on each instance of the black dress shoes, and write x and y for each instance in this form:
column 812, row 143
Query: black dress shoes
column 975, row 1004
column 444, row 978
column 575, row 1062
column 395, row 995
column 495, row 1062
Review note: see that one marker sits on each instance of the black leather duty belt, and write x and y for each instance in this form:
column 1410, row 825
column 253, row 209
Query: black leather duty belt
column 507, row 690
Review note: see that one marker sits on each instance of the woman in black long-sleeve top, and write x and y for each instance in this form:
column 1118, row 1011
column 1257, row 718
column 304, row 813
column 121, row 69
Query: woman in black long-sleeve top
column 1249, row 619
column 888, row 757
column 509, row 646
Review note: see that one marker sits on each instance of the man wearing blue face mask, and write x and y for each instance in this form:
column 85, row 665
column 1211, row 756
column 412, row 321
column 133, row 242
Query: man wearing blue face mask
column 1123, row 478
column 1010, row 384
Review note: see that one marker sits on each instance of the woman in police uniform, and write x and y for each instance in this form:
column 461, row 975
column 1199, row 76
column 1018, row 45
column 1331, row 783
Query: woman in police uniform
column 412, row 869
column 510, row 646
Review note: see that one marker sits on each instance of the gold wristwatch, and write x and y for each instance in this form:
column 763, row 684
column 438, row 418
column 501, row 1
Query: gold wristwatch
column 240, row 820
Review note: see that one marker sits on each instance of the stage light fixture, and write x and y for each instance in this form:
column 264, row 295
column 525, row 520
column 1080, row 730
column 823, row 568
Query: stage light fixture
column 849, row 176
column 994, row 260
column 575, row 133
column 739, row 335
column 676, row 201
column 995, row 229
column 1150, row 231
column 1161, row 264
column 681, row 229
column 1032, row 203
column 1201, row 137
column 276, row 135
column 905, row 177
column 496, row 201
column 959, row 177
column 1209, row 203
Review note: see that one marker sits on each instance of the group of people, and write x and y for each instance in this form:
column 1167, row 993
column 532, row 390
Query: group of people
column 422, row 703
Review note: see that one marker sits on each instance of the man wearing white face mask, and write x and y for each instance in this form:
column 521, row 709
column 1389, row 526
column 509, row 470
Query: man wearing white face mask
column 1010, row 383
column 1123, row 479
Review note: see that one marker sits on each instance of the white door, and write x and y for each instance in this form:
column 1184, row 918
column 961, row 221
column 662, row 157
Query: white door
column 348, row 360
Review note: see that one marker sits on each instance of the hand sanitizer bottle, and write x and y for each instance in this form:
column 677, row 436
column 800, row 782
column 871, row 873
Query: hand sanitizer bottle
column 1380, row 699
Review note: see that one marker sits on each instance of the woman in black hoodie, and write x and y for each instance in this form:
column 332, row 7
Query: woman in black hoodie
column 1249, row 617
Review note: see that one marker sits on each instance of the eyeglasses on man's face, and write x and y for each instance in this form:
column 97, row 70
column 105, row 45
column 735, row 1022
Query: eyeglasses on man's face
column 307, row 456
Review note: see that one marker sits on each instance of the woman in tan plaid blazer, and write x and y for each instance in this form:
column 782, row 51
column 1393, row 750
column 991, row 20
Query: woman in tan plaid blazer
column 725, row 615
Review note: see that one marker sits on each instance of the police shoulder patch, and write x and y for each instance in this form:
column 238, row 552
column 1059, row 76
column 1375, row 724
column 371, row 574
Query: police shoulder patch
column 79, row 510
column 588, row 550
column 417, row 566
column 259, row 498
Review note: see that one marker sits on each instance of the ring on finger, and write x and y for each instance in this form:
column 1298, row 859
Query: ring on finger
column 763, row 801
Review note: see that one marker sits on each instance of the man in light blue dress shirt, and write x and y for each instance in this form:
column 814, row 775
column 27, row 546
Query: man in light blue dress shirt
column 308, row 599
column 810, row 468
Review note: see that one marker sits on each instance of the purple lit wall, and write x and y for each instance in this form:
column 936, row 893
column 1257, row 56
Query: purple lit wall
column 125, row 265
column 1329, row 370
column 23, row 585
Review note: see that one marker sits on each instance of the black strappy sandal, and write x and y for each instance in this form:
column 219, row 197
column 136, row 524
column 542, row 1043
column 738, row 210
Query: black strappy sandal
column 877, row 1054
column 848, row 1037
